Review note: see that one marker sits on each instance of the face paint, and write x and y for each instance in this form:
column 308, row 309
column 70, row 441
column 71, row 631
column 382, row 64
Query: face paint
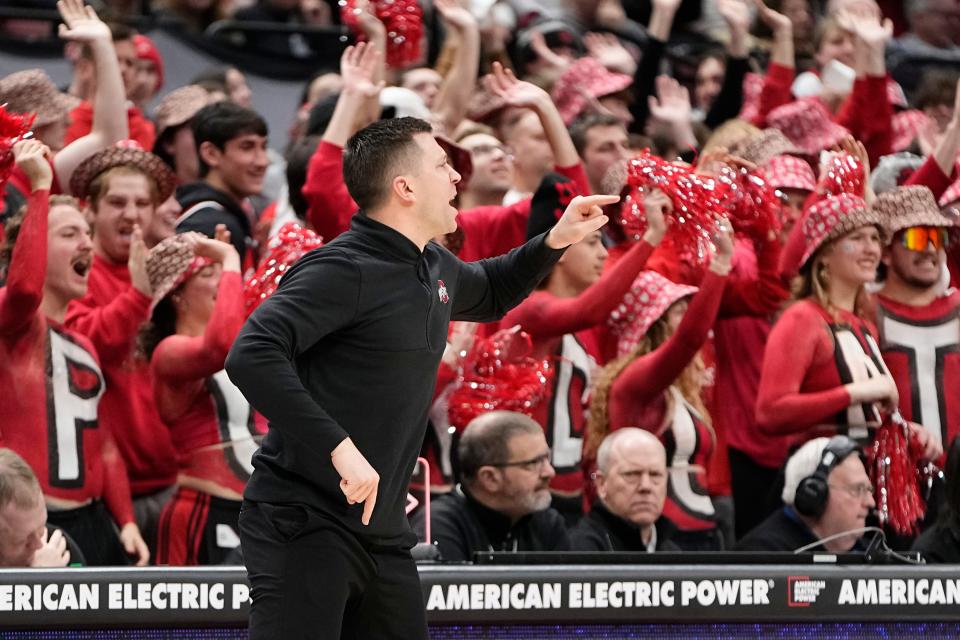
column 848, row 246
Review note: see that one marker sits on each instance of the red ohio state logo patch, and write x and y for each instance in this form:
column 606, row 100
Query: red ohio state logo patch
column 442, row 291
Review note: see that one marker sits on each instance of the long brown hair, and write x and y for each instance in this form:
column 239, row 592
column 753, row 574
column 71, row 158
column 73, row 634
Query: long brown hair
column 689, row 382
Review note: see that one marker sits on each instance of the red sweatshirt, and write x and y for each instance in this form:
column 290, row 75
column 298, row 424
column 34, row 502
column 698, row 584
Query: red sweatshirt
column 110, row 315
column 54, row 383
column 638, row 398
column 808, row 360
column 211, row 423
column 81, row 123
column 488, row 231
column 553, row 323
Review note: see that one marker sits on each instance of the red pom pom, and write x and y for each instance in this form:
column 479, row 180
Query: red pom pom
column 13, row 128
column 894, row 470
column 289, row 245
column 751, row 203
column 698, row 204
column 403, row 21
column 499, row 374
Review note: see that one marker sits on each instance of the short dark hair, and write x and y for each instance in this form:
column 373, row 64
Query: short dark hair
column 580, row 128
column 938, row 87
column 15, row 222
column 375, row 154
column 298, row 161
column 221, row 122
column 486, row 440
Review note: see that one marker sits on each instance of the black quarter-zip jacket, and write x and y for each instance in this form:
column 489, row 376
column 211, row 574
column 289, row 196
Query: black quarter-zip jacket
column 349, row 345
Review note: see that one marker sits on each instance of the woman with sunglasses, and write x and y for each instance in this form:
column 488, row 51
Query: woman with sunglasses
column 917, row 313
column 822, row 369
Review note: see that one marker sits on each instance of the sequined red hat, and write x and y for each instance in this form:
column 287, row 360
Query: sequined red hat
column 403, row 21
column 648, row 299
column 951, row 195
column 584, row 79
column 833, row 217
column 807, row 124
column 13, row 128
column 790, row 172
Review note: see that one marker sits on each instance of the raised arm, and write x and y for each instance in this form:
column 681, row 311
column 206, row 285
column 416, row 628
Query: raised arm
column 661, row 22
column 651, row 374
column 450, row 106
column 23, row 293
column 487, row 289
column 181, row 359
column 329, row 202
column 729, row 101
column 517, row 93
column 81, row 24
column 549, row 317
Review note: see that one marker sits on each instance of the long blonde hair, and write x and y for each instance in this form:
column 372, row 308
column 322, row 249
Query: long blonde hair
column 689, row 382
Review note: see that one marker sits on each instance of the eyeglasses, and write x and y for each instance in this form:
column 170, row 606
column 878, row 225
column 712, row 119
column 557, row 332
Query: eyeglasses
column 860, row 490
column 919, row 238
column 533, row 464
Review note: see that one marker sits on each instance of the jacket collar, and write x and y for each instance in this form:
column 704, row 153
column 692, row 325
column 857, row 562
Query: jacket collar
column 496, row 525
column 626, row 530
column 385, row 238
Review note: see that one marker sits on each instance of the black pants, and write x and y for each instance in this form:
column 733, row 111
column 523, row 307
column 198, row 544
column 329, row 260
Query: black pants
column 312, row 578
column 93, row 530
column 756, row 491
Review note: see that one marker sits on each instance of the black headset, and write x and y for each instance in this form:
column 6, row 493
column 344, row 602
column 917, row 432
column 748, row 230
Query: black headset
column 813, row 491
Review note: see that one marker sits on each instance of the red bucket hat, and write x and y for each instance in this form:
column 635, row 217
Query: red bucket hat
column 833, row 217
column 585, row 78
column 790, row 172
column 807, row 124
column 649, row 298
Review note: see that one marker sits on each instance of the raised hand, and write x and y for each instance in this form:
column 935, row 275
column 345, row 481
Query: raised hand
column 455, row 15
column 607, row 48
column 357, row 67
column 53, row 553
column 778, row 23
column 358, row 480
column 656, row 206
column 583, row 216
column 723, row 241
column 736, row 14
column 137, row 263
column 81, row 23
column 514, row 92
column 33, row 158
column 867, row 27
column 672, row 103
column 539, row 45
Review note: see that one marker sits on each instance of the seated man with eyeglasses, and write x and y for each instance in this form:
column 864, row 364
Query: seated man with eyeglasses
column 827, row 495
column 503, row 501
column 631, row 481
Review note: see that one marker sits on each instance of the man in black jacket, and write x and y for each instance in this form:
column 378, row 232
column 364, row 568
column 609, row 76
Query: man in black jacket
column 503, row 502
column 342, row 360
column 232, row 151
column 631, row 482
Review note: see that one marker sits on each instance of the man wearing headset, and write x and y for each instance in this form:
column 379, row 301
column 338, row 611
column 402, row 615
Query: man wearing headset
column 827, row 496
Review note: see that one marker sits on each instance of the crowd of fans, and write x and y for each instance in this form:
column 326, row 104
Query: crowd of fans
column 709, row 372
